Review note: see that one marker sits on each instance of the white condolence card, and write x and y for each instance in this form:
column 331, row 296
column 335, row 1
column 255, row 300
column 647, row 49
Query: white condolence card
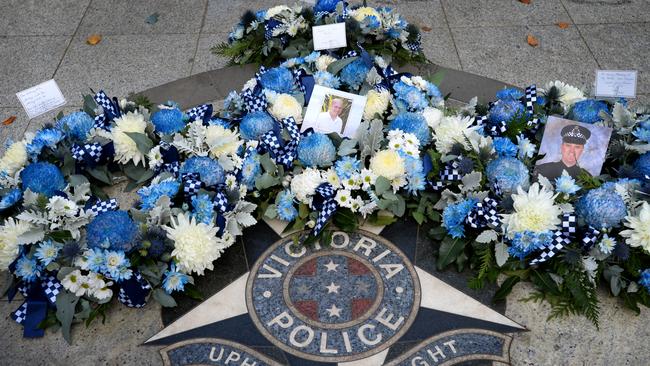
column 329, row 36
column 41, row 98
column 616, row 83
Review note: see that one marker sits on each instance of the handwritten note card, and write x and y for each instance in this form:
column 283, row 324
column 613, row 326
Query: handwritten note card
column 41, row 98
column 329, row 36
column 616, row 83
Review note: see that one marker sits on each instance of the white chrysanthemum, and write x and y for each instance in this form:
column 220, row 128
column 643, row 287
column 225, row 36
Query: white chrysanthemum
column 322, row 62
column 222, row 141
column 376, row 103
column 343, row 198
column 125, row 148
column 73, row 281
column 534, row 211
column 453, row 130
column 196, row 244
column 14, row 158
column 332, row 178
column 388, row 164
column 9, row 233
column 285, row 106
column 59, row 207
column 103, row 293
column 569, row 94
column 304, row 184
column 433, row 116
column 368, row 178
column 276, row 10
column 155, row 158
column 638, row 234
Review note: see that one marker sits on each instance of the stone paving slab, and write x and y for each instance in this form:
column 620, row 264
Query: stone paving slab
column 204, row 59
column 35, row 17
column 498, row 13
column 608, row 11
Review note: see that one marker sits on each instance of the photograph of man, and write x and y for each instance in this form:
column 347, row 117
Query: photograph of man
column 574, row 139
column 329, row 120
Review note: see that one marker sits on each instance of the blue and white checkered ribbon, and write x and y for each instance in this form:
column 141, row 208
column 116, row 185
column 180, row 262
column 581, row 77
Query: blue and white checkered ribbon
column 173, row 167
column 448, row 175
column 33, row 310
column 134, row 291
column 104, row 206
column 92, row 152
column 414, row 46
column 191, row 185
column 561, row 238
column 325, row 204
column 221, row 202
column 201, row 112
column 110, row 106
column 485, row 214
column 272, row 143
column 497, row 129
column 254, row 100
column 531, row 99
column 590, row 238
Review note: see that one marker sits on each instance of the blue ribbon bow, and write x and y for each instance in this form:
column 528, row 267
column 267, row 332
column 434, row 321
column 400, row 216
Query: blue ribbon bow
column 111, row 108
column 485, row 214
column 134, row 291
column 39, row 295
column 201, row 112
column 324, row 202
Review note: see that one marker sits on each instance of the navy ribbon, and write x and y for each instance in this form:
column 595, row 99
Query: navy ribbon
column 134, row 291
column 448, row 175
column 110, row 106
column 324, row 202
column 530, row 99
column 272, row 142
column 39, row 295
column 485, row 214
column 201, row 112
column 590, row 238
column 561, row 238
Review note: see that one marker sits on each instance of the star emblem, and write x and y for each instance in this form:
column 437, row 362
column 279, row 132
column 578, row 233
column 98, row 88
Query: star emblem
column 334, row 311
column 362, row 287
column 332, row 288
column 302, row 289
column 331, row 266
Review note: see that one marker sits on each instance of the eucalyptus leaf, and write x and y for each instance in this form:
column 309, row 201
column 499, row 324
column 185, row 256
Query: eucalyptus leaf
column 65, row 310
column 89, row 105
column 268, row 164
column 271, row 212
column 101, row 174
column 142, row 141
column 381, row 185
column 77, row 180
column 347, row 147
column 336, row 66
column 163, row 298
column 265, row 181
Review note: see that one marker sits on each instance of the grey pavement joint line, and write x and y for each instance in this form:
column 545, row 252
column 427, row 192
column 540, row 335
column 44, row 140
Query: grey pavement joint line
column 580, row 34
column 198, row 39
column 451, row 34
column 74, row 35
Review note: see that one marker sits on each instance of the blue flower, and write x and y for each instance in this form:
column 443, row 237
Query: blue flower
column 76, row 125
column 151, row 194
column 409, row 98
column 509, row 173
column 505, row 110
column 347, row 166
column 354, row 74
column 602, row 208
column 250, row 169
column 523, row 243
column 566, row 184
column 326, row 5
column 416, row 182
column 278, row 79
column 174, row 280
column 644, row 279
column 47, row 137
column 588, row 110
column 642, row 165
column 47, row 252
column 504, row 147
column 414, row 173
column 414, row 123
column 510, row 94
column 433, row 92
column 95, row 259
column 326, row 79
column 209, row 170
column 11, row 198
column 44, row 178
column 203, row 208
column 312, row 57
column 153, row 241
column 285, row 208
column 116, row 265
column 642, row 134
column 113, row 230
column 454, row 215
column 316, row 150
column 256, row 124
column 28, row 269
column 168, row 121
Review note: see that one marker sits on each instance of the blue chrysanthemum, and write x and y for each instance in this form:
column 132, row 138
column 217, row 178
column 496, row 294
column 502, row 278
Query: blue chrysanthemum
column 11, row 198
column 454, row 215
column 28, row 269
column 113, row 230
column 151, row 194
column 47, row 137
column 278, row 79
column 256, row 124
column 168, row 121
column 433, row 92
column 415, row 175
column 250, row 169
column 602, row 208
column 47, row 252
column 285, row 208
column 116, row 265
column 326, row 79
column 44, row 178
column 409, row 98
column 95, row 259
column 510, row 94
column 505, row 110
column 504, row 147
column 643, row 134
column 509, row 173
column 414, row 123
column 526, row 242
column 642, row 166
column 588, row 110
column 326, row 5
column 347, row 166
column 209, row 170
column 76, row 125
column 316, row 150
column 354, row 74
column 644, row 279
column 174, row 280
column 312, row 57
column 203, row 208
column 566, row 184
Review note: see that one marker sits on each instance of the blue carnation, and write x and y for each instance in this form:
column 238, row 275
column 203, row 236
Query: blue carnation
column 278, row 79
column 505, row 110
column 510, row 94
column 509, row 173
column 203, row 208
column 644, row 279
column 602, row 208
column 250, row 169
column 256, row 124
column 326, row 79
column 454, row 215
column 347, row 166
column 11, row 198
column 504, row 147
column 642, row 165
column 47, row 137
column 414, row 123
column 44, row 178
column 588, row 110
column 312, row 57
column 28, row 269
column 174, row 280
column 209, row 170
column 285, row 208
column 523, row 243
column 433, row 92
column 316, row 150
column 354, row 73
column 409, row 98
column 151, row 194
column 76, row 125
column 168, row 121
column 113, row 230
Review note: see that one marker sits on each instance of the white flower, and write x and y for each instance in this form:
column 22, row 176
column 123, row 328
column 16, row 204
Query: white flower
column 322, row 62
column 368, row 208
column 250, row 84
column 526, row 148
column 304, row 184
column 103, row 293
column 353, row 182
column 231, row 182
column 125, row 148
column 534, row 211
column 638, row 234
column 343, row 198
column 196, row 245
column 284, row 105
column 73, row 280
column 368, row 178
column 332, row 178
column 356, row 204
column 569, row 94
column 155, row 158
column 276, row 10
column 222, row 141
column 433, row 116
column 376, row 103
column 14, row 158
column 59, row 206
column 388, row 164
column 453, row 130
column 607, row 244
column 9, row 240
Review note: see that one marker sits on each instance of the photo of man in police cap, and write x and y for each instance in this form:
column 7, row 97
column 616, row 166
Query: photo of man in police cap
column 582, row 148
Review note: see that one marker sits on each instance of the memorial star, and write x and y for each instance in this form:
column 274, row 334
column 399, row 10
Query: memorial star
column 302, row 289
column 334, row 311
column 332, row 288
column 362, row 287
column 331, row 266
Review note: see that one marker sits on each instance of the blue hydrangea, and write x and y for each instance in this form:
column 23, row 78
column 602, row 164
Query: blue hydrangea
column 76, row 125
column 347, row 166
column 354, row 73
column 409, row 98
column 113, row 230
column 256, row 124
column 566, row 184
column 202, row 208
column 168, row 121
column 326, row 79
column 174, row 280
column 116, row 265
column 642, row 165
column 209, row 170
column 250, row 169
column 504, row 147
column 588, row 110
column 47, row 252
column 454, row 215
column 509, row 173
column 47, row 137
column 151, row 194
column 505, row 110
column 510, row 94
column 601, row 208
column 285, row 207
column 11, row 198
column 28, row 269
column 644, row 279
column 316, row 150
column 43, row 178
column 278, row 79
column 523, row 243
column 414, row 123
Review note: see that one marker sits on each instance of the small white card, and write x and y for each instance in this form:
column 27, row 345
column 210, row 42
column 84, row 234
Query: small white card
column 41, row 98
column 616, row 83
column 329, row 36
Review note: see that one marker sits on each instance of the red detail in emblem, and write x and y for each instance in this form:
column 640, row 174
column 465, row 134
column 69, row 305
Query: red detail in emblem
column 308, row 307
column 357, row 268
column 360, row 306
column 307, row 269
